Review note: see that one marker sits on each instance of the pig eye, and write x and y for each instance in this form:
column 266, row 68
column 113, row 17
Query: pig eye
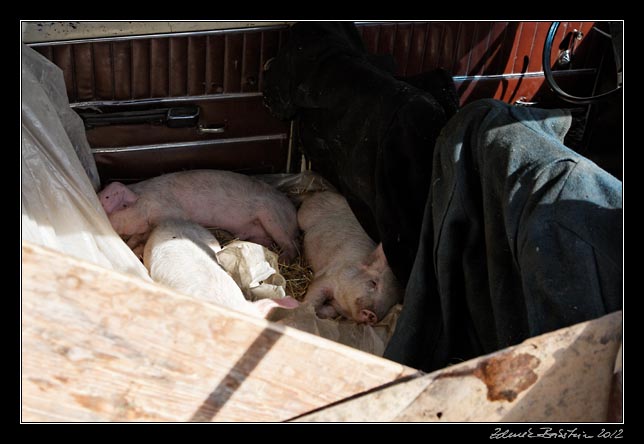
column 372, row 284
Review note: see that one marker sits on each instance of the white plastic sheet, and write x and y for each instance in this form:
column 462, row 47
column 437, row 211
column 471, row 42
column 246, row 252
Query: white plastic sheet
column 60, row 208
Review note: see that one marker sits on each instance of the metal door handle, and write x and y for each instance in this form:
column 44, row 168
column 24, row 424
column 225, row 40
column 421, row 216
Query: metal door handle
column 212, row 129
column 176, row 117
column 522, row 101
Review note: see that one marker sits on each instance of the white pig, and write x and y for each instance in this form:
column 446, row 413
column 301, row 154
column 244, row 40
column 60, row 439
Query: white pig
column 182, row 255
column 351, row 274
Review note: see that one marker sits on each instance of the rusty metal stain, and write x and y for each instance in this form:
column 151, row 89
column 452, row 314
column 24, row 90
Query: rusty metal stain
column 507, row 375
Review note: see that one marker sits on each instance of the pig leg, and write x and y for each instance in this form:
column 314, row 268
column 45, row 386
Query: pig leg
column 139, row 250
column 136, row 243
column 262, row 239
column 279, row 234
column 320, row 296
column 137, row 240
column 254, row 232
column 326, row 312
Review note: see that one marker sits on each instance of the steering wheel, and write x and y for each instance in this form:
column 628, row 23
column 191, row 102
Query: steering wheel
column 547, row 49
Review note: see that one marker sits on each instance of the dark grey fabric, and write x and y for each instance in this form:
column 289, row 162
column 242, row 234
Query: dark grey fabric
column 520, row 236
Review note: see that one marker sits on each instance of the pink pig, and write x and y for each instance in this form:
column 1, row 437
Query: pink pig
column 246, row 207
column 352, row 277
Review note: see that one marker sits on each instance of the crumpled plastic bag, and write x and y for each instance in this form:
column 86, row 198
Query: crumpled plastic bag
column 254, row 268
column 59, row 205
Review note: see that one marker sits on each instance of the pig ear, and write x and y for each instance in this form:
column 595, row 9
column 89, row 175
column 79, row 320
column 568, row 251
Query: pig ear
column 116, row 196
column 266, row 306
column 376, row 261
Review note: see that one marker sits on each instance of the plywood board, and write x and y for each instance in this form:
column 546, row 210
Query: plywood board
column 98, row 345
column 562, row 376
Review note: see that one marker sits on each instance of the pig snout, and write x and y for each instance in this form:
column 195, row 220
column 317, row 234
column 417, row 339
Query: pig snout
column 331, row 308
column 368, row 317
column 123, row 209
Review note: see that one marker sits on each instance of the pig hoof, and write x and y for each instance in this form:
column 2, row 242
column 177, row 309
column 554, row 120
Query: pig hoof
column 368, row 317
column 286, row 256
column 326, row 311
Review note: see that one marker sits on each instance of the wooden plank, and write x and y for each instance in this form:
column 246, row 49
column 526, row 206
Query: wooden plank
column 98, row 345
column 562, row 376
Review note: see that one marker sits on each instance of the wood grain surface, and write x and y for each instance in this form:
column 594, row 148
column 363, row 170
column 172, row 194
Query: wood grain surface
column 562, row 376
column 98, row 345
